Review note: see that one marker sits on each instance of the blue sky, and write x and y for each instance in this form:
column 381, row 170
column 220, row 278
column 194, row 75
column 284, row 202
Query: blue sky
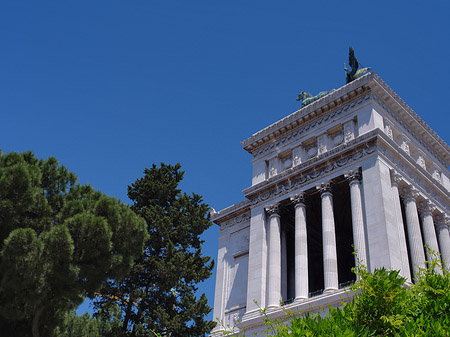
column 109, row 87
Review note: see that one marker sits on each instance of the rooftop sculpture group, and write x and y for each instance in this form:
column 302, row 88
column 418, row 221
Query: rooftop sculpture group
column 350, row 75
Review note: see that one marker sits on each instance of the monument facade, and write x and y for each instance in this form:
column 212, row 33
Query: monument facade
column 356, row 170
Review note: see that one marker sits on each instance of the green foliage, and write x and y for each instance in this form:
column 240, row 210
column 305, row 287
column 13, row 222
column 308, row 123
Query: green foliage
column 59, row 241
column 382, row 306
column 86, row 326
column 158, row 296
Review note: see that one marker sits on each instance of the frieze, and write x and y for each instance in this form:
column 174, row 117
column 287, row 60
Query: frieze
column 236, row 220
column 412, row 176
column 314, row 174
column 311, row 125
column 406, row 127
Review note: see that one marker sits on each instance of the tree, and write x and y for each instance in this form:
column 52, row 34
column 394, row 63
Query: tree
column 59, row 241
column 158, row 296
column 382, row 306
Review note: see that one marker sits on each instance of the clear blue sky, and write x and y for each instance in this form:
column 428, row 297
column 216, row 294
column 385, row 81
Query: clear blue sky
column 109, row 87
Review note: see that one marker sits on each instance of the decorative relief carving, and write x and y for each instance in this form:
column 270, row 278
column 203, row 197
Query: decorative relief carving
column 404, row 145
column 421, row 122
column 353, row 175
column 436, row 175
column 421, row 161
column 416, row 179
column 298, row 199
column 349, row 131
column 273, row 169
column 272, row 209
column 314, row 173
column 441, row 220
column 324, row 187
column 312, row 151
column 409, row 193
column 234, row 221
column 311, row 125
column 297, row 156
column 388, row 130
column 396, row 177
column 338, row 139
column 322, row 144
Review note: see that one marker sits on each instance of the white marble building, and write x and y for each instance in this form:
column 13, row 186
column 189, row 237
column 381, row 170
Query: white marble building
column 357, row 168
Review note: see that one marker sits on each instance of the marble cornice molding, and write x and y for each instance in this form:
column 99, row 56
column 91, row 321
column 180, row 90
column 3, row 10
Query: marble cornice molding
column 292, row 126
column 316, row 161
column 408, row 170
column 313, row 173
column 232, row 215
column 410, row 120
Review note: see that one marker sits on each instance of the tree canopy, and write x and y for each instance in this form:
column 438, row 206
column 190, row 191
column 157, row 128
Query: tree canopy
column 159, row 295
column 59, row 242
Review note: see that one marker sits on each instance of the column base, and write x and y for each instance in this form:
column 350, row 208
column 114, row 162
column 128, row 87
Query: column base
column 300, row 299
column 330, row 290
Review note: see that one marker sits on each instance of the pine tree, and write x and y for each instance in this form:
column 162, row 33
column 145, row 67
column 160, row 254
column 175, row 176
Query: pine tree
column 59, row 241
column 159, row 294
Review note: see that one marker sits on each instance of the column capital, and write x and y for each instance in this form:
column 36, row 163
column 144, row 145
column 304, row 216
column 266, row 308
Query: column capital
column 324, row 187
column 426, row 207
column 409, row 193
column 441, row 221
column 396, row 177
column 353, row 176
column 272, row 210
column 298, row 199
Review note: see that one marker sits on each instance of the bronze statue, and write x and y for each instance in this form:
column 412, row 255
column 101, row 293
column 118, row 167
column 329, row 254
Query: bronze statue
column 307, row 98
column 353, row 63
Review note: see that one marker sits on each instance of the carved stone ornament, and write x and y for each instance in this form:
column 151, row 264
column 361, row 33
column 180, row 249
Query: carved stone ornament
column 235, row 221
column 298, row 199
column 426, row 207
column 404, row 145
column 396, row 177
column 297, row 156
column 353, row 175
column 314, row 173
column 338, row 139
column 421, row 161
column 325, row 187
column 349, row 131
column 436, row 174
column 312, row 125
column 409, row 193
column 388, row 131
column 272, row 209
column 441, row 221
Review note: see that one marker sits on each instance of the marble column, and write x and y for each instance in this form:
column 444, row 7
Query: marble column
column 359, row 235
column 301, row 248
column 274, row 280
column 413, row 227
column 405, row 270
column 284, row 267
column 428, row 230
column 330, row 266
column 442, row 223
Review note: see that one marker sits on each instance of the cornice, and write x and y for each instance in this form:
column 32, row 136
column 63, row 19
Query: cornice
column 414, row 173
column 301, row 117
column 339, row 101
column 313, row 169
column 232, row 215
column 409, row 119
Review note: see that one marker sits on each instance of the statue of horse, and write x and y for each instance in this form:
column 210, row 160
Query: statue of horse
column 307, row 98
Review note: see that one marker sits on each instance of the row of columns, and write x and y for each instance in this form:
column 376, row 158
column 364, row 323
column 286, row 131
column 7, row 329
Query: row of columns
column 330, row 263
column 434, row 228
